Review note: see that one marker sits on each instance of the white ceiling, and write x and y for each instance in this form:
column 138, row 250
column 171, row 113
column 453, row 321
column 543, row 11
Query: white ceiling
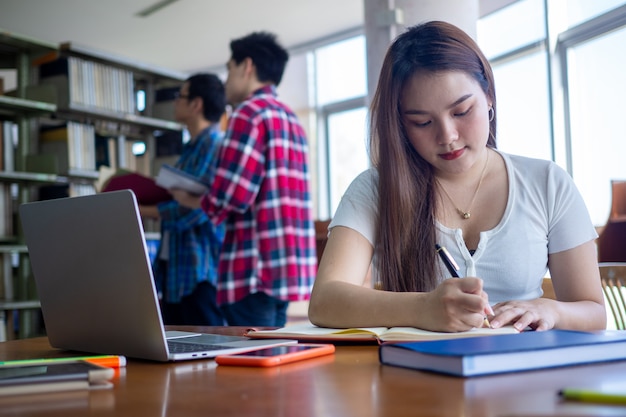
column 187, row 35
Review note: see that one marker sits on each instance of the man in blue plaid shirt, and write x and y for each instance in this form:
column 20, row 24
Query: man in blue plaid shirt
column 185, row 268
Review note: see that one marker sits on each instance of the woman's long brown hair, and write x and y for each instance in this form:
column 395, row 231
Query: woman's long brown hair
column 405, row 257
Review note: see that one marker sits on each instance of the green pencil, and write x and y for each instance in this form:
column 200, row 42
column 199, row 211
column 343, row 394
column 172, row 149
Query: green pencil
column 591, row 396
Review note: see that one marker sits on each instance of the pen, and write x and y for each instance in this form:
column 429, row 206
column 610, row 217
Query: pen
column 453, row 268
column 109, row 361
column 590, row 396
column 448, row 261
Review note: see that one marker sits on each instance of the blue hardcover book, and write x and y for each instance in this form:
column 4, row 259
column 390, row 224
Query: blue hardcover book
column 507, row 353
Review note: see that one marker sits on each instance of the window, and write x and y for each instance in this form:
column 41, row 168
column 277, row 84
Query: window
column 579, row 11
column 347, row 154
column 514, row 41
column 523, row 106
column 340, row 91
column 511, row 28
column 326, row 86
column 574, row 120
column 339, row 71
column 596, row 113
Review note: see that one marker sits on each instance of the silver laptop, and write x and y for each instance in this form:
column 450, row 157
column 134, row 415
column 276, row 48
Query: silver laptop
column 94, row 280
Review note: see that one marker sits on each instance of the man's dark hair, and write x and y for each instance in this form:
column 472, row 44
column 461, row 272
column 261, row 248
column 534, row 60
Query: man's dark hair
column 267, row 55
column 211, row 90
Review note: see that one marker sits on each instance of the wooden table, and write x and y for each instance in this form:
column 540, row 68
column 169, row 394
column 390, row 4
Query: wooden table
column 349, row 383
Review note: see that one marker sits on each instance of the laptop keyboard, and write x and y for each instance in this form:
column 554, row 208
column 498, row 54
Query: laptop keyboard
column 179, row 347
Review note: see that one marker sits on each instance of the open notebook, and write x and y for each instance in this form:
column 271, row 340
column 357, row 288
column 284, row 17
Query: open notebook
column 308, row 331
column 94, row 280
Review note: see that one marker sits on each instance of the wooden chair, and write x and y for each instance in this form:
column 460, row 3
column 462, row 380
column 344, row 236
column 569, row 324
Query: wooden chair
column 613, row 275
column 297, row 312
column 612, row 240
column 548, row 289
column 321, row 236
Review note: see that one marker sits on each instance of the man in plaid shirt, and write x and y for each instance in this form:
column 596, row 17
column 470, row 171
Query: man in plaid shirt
column 261, row 192
column 185, row 269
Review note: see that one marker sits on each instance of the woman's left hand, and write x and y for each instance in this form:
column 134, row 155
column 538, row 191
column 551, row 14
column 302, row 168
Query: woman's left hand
column 539, row 314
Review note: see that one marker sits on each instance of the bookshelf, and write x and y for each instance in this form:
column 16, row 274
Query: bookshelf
column 12, row 106
column 18, row 302
column 100, row 89
column 71, row 109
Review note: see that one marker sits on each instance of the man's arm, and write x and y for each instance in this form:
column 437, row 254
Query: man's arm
column 186, row 199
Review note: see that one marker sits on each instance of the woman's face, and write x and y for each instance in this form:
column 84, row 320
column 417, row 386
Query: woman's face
column 446, row 117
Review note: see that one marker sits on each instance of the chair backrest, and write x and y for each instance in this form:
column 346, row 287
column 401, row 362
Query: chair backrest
column 548, row 289
column 618, row 199
column 612, row 240
column 613, row 275
column 321, row 236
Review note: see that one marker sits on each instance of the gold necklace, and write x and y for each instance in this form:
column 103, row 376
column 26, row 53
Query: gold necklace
column 466, row 214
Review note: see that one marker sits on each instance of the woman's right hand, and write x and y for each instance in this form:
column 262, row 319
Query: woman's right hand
column 458, row 305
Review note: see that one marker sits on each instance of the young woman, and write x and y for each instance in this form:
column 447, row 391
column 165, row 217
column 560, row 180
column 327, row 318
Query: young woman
column 437, row 179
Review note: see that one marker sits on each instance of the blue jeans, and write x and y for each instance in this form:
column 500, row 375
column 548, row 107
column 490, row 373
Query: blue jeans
column 196, row 309
column 258, row 309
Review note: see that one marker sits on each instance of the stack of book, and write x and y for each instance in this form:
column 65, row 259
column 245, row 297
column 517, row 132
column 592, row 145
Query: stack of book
column 48, row 376
column 525, row 351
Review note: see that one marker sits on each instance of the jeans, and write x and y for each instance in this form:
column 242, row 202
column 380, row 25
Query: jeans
column 258, row 309
column 196, row 309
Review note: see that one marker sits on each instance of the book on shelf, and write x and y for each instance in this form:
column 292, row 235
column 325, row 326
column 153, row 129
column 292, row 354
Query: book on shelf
column 170, row 177
column 137, row 158
column 76, row 190
column 53, row 191
column 106, row 151
column 308, row 331
column 9, row 137
column 2, row 146
column 69, row 81
column 6, row 211
column 145, row 188
column 62, row 149
column 6, row 279
column 164, row 101
column 529, row 350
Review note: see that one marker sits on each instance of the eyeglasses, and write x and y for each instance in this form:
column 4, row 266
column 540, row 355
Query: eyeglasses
column 178, row 95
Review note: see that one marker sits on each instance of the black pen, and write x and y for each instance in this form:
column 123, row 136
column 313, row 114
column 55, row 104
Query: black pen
column 448, row 260
column 453, row 268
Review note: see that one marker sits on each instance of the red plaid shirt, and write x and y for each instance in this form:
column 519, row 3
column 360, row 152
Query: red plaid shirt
column 261, row 191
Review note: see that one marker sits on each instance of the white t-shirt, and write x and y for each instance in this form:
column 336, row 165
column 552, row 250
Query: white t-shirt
column 545, row 214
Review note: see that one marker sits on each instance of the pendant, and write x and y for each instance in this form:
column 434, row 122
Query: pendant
column 466, row 215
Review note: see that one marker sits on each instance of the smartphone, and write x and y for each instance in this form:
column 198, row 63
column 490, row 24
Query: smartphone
column 46, row 377
column 277, row 355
